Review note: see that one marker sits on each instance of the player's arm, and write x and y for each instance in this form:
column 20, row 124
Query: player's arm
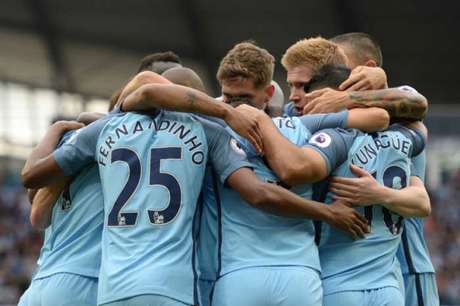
column 231, row 165
column 89, row 117
column 156, row 94
column 43, row 203
column 280, row 201
column 40, row 168
column 75, row 154
column 371, row 119
column 142, row 78
column 294, row 165
column 400, row 104
column 412, row 201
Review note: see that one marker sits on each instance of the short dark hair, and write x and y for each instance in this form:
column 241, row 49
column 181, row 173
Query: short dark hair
column 328, row 76
column 365, row 46
column 166, row 57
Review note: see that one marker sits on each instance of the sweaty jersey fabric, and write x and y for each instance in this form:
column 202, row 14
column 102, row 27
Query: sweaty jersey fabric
column 367, row 263
column 235, row 235
column 151, row 171
column 72, row 242
column 413, row 252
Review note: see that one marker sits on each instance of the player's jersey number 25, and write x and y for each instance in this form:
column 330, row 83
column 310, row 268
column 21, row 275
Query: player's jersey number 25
column 118, row 217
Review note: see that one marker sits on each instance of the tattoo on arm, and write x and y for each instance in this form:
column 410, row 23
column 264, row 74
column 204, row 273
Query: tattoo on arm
column 401, row 105
column 191, row 98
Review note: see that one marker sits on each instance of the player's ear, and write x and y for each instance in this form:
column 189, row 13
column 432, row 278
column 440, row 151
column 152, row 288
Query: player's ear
column 371, row 63
column 270, row 90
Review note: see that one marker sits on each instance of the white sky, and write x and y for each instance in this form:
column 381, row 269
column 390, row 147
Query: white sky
column 25, row 115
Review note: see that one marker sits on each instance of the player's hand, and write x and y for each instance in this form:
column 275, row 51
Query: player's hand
column 361, row 191
column 365, row 78
column 64, row 126
column 252, row 112
column 246, row 125
column 347, row 219
column 325, row 100
column 89, row 117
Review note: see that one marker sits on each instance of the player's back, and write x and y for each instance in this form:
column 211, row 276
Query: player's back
column 151, row 170
column 211, row 239
column 72, row 242
column 251, row 237
column 370, row 262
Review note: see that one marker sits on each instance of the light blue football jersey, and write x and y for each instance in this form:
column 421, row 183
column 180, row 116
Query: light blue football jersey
column 72, row 242
column 234, row 234
column 413, row 252
column 368, row 263
column 289, row 110
column 151, row 170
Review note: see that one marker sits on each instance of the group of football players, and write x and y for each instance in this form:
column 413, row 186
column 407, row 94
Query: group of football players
column 178, row 198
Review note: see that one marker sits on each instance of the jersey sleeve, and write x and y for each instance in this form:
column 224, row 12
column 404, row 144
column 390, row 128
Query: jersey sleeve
column 80, row 149
column 318, row 122
column 416, row 137
column 225, row 153
column 418, row 165
column 333, row 145
column 289, row 110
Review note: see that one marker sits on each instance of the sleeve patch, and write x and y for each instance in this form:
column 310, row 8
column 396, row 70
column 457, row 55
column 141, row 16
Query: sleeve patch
column 322, row 140
column 237, row 147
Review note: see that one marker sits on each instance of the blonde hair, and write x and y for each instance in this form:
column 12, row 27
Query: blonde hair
column 248, row 61
column 314, row 53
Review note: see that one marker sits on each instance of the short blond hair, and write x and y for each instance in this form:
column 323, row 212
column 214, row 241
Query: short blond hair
column 248, row 61
column 314, row 53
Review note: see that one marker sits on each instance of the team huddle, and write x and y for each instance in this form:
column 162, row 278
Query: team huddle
column 178, row 198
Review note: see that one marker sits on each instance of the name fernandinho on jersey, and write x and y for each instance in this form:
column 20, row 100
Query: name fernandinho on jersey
column 370, row 150
column 191, row 142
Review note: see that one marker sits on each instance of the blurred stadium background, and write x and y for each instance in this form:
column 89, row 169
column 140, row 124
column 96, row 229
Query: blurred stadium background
column 58, row 58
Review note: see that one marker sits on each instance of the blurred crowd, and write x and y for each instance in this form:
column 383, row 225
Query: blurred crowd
column 443, row 237
column 20, row 244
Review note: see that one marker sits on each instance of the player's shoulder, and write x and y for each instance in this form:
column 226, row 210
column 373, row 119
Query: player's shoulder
column 406, row 131
column 209, row 124
column 325, row 137
column 185, row 118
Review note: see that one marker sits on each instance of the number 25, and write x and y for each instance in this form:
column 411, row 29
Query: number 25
column 128, row 156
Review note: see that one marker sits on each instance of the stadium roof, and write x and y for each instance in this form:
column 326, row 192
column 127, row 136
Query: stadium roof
column 91, row 47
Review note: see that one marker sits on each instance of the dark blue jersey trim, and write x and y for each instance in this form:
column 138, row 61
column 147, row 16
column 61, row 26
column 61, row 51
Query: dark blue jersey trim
column 215, row 183
column 320, row 191
column 407, row 255
column 196, row 218
column 418, row 289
